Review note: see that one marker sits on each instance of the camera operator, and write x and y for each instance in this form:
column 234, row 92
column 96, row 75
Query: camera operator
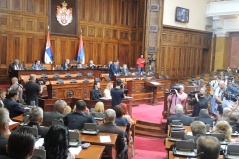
column 230, row 101
column 33, row 90
column 199, row 100
column 177, row 96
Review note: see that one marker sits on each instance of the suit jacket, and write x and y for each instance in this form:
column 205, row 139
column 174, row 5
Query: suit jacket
column 186, row 120
column 11, row 67
column 113, row 70
column 3, row 143
column 14, row 108
column 49, row 116
column 36, row 67
column 64, row 66
column 41, row 129
column 114, row 129
column 125, row 72
column 95, row 94
column 206, row 119
column 76, row 120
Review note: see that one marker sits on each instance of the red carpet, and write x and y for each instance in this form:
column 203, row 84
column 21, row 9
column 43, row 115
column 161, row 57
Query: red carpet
column 148, row 113
column 149, row 147
column 5, row 86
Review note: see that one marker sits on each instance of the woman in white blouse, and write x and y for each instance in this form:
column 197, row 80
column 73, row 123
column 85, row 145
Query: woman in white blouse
column 107, row 90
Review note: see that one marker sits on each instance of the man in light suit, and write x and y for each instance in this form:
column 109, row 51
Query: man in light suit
column 59, row 107
column 186, row 120
column 114, row 69
column 37, row 65
column 16, row 65
column 66, row 65
column 10, row 103
column 110, row 127
column 36, row 118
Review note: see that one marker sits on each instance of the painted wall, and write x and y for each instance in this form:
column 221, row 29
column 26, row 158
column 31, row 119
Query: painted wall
column 221, row 56
column 197, row 13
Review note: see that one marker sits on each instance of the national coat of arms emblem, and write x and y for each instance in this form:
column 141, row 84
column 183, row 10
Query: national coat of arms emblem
column 64, row 15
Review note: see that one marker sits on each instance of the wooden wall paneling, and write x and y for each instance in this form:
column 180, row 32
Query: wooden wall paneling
column 107, row 11
column 82, row 9
column 17, row 23
column 5, row 4
column 17, row 5
column 41, row 47
column 98, row 58
column 41, row 25
column 4, row 21
column 41, row 7
column 29, row 6
column 73, row 48
column 3, row 48
column 141, row 8
column 17, row 48
column 29, row 24
column 92, row 10
column 30, row 54
column 116, row 12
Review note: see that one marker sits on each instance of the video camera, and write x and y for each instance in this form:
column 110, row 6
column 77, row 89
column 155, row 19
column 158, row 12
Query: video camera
column 192, row 94
column 173, row 87
column 40, row 81
column 231, row 96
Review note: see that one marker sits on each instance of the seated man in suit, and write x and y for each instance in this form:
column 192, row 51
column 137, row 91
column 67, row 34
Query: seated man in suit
column 59, row 108
column 80, row 65
column 110, row 127
column 91, row 64
column 2, row 97
column 36, row 118
column 204, row 117
column 66, row 65
column 198, row 128
column 4, row 123
column 96, row 93
column 108, row 65
column 15, row 66
column 37, row 65
column 76, row 120
column 12, row 105
column 186, row 120
column 208, row 147
column 124, row 70
column 20, row 145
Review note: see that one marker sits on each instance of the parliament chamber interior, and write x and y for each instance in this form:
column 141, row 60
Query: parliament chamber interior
column 119, row 79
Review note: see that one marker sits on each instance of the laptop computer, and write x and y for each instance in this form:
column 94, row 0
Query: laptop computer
column 185, row 148
column 176, row 123
column 176, row 135
column 232, row 152
column 90, row 128
column 221, row 138
column 74, row 139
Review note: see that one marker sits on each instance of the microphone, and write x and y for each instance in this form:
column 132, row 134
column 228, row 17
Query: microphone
column 200, row 154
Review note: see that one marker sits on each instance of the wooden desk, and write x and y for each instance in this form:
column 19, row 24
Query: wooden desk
column 171, row 156
column 18, row 118
column 95, row 140
column 11, row 127
column 93, row 152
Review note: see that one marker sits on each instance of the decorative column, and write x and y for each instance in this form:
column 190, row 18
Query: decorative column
column 152, row 33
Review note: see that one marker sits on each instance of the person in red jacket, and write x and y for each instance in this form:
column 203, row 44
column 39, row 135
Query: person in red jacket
column 140, row 63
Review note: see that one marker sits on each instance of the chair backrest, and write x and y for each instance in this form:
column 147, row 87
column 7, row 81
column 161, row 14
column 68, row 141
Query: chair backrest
column 185, row 145
column 39, row 154
column 85, row 80
column 78, row 75
column 34, row 130
column 57, row 122
column 99, row 114
column 68, row 75
column 60, row 81
column 220, row 136
column 73, row 81
column 177, row 134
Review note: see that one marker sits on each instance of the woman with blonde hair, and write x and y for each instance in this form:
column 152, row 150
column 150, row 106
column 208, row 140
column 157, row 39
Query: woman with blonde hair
column 99, row 107
column 107, row 90
column 224, row 128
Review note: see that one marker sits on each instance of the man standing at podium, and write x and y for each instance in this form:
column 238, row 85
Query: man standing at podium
column 114, row 69
column 140, row 63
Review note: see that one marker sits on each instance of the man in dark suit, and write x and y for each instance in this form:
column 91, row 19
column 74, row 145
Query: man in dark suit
column 204, row 117
column 108, row 66
column 76, row 120
column 4, row 123
column 59, row 107
column 186, row 120
column 96, row 93
column 66, row 65
column 10, row 103
column 124, row 70
column 110, row 127
column 16, row 65
column 114, row 69
column 37, row 65
column 36, row 118
column 2, row 97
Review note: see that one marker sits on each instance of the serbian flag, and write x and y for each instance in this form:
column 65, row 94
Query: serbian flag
column 81, row 53
column 48, row 58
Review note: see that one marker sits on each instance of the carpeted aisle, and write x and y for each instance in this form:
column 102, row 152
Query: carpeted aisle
column 145, row 147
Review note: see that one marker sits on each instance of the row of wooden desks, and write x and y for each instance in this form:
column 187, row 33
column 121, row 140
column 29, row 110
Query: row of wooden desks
column 171, row 156
column 93, row 140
